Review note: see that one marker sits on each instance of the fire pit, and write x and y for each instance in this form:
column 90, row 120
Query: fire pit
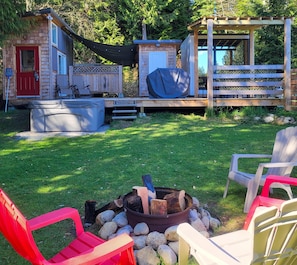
column 158, row 222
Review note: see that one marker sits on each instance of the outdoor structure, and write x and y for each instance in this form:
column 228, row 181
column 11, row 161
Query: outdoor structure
column 36, row 57
column 153, row 54
column 239, row 85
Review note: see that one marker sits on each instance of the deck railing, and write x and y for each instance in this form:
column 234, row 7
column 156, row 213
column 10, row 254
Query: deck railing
column 239, row 81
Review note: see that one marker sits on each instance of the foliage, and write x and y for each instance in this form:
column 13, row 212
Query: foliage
column 10, row 21
column 162, row 19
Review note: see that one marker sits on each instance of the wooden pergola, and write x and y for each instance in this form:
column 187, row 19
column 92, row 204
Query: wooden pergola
column 249, row 80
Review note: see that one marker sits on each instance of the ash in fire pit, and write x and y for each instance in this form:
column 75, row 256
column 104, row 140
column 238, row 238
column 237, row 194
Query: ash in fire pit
column 158, row 220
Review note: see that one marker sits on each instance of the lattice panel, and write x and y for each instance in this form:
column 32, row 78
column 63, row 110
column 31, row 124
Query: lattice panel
column 93, row 69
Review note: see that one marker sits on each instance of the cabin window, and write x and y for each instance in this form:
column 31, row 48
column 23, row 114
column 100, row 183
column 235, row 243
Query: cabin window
column 62, row 64
column 54, row 34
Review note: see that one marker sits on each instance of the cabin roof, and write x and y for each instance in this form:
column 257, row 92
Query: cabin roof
column 50, row 14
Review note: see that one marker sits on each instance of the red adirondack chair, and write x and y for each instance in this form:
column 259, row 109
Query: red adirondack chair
column 263, row 200
column 85, row 249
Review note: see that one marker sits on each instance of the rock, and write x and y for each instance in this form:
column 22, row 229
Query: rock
column 104, row 217
column 107, row 230
column 193, row 215
column 171, row 233
column 174, row 246
column 284, row 120
column 155, row 239
column 196, row 202
column 147, row 256
column 127, row 229
column 269, row 118
column 214, row 223
column 205, row 221
column 167, row 255
column 198, row 225
column 141, row 229
column 139, row 242
column 121, row 219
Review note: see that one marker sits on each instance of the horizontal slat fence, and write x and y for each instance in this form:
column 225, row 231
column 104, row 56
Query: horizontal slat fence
column 239, row 81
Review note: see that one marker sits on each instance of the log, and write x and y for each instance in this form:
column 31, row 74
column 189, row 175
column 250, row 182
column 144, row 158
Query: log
column 143, row 193
column 134, row 203
column 158, row 207
column 175, row 201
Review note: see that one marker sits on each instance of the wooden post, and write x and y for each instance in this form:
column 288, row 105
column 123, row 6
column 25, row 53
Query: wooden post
column 252, row 47
column 210, row 63
column 287, row 64
column 196, row 72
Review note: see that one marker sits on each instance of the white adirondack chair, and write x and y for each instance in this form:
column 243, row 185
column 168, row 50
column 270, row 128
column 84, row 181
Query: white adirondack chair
column 283, row 159
column 271, row 239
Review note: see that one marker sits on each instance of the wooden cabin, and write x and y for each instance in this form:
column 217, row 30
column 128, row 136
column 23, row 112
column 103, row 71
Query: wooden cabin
column 37, row 57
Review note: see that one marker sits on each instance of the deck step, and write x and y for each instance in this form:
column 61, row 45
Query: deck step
column 124, row 110
column 118, row 111
column 128, row 117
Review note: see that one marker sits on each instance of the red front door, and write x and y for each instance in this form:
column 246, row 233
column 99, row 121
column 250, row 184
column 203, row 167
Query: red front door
column 27, row 67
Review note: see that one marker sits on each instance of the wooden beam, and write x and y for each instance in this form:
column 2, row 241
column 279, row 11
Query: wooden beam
column 210, row 62
column 287, row 64
column 252, row 47
column 196, row 72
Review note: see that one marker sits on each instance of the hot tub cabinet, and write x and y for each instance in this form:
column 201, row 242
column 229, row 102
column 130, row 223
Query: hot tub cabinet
column 67, row 115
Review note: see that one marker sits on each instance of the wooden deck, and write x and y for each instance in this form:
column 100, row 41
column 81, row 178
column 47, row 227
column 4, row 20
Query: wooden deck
column 143, row 103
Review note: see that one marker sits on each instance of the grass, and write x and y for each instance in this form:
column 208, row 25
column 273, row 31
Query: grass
column 180, row 151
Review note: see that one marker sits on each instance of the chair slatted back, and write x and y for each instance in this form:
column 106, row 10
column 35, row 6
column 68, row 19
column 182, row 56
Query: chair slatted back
column 14, row 227
column 284, row 150
column 275, row 235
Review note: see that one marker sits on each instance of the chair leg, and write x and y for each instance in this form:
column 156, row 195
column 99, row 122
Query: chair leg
column 226, row 188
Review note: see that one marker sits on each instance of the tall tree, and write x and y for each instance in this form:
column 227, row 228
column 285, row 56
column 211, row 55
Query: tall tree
column 164, row 19
column 10, row 18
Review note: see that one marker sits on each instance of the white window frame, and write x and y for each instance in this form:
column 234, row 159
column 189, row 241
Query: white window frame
column 62, row 63
column 54, row 34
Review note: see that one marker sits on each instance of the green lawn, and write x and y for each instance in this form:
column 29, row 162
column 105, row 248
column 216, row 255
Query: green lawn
column 180, row 151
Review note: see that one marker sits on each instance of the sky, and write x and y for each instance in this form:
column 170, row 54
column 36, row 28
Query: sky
column 202, row 58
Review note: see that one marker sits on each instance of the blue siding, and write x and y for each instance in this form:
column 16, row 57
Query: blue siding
column 65, row 45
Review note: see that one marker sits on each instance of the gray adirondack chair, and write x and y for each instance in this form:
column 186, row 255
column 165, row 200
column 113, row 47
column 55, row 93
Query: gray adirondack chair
column 270, row 239
column 283, row 159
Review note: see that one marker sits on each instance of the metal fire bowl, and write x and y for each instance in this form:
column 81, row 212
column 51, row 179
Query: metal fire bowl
column 157, row 222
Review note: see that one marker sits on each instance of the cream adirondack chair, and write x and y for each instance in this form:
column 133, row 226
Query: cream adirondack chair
column 271, row 239
column 283, row 159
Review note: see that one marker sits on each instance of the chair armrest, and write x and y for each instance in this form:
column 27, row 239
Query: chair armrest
column 104, row 251
column 236, row 157
column 55, row 217
column 279, row 179
column 261, row 166
column 203, row 248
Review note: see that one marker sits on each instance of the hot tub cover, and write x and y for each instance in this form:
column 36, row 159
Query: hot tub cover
column 168, row 83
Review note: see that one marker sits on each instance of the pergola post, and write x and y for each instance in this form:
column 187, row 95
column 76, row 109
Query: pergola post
column 196, row 72
column 287, row 64
column 252, row 47
column 210, row 62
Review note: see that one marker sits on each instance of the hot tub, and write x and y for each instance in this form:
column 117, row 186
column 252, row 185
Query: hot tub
column 67, row 115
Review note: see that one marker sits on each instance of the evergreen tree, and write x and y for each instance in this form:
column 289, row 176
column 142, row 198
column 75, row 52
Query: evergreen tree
column 10, row 18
